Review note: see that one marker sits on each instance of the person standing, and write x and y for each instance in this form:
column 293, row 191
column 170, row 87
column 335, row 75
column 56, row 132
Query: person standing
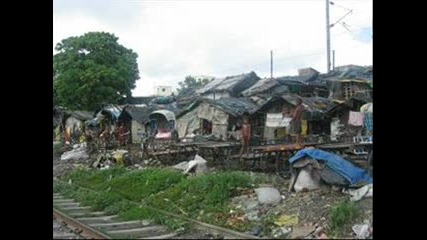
column 123, row 134
column 246, row 137
column 295, row 124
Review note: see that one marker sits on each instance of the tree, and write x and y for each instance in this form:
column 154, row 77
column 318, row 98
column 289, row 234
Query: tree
column 190, row 85
column 93, row 69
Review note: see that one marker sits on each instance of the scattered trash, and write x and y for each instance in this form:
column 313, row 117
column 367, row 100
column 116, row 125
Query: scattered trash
column 268, row 195
column 286, row 221
column 118, row 156
column 302, row 231
column 318, row 231
column 281, row 232
column 137, row 166
column 305, row 181
column 252, row 216
column 75, row 154
column 357, row 194
column 105, row 167
column 256, row 230
column 181, row 166
column 323, row 236
column 362, row 231
column 354, row 175
column 198, row 165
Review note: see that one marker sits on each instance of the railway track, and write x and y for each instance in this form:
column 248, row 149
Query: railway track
column 98, row 225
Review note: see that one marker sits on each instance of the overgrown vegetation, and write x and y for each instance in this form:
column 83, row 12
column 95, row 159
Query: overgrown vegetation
column 132, row 194
column 343, row 214
column 57, row 149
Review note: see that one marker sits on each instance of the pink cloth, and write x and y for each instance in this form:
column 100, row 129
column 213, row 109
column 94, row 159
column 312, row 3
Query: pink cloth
column 355, row 119
column 163, row 135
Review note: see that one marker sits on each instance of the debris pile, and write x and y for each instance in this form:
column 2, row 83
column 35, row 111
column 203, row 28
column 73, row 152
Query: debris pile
column 108, row 159
column 309, row 166
column 77, row 153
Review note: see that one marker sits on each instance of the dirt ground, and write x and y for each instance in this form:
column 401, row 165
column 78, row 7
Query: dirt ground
column 312, row 208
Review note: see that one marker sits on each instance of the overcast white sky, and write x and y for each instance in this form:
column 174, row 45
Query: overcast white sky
column 175, row 38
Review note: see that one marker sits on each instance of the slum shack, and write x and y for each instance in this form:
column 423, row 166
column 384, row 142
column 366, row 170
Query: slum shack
column 163, row 124
column 305, row 86
column 135, row 118
column 348, row 81
column 315, row 120
column 347, row 120
column 220, row 118
column 109, row 115
column 73, row 122
column 228, row 87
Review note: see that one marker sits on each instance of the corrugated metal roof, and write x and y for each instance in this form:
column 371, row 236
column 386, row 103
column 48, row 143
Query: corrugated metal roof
column 113, row 110
column 229, row 83
column 315, row 107
column 169, row 115
column 82, row 115
column 261, row 86
column 235, row 106
column 138, row 113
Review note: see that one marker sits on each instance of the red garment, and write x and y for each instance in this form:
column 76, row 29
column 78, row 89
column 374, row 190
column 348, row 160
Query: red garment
column 122, row 137
column 246, row 131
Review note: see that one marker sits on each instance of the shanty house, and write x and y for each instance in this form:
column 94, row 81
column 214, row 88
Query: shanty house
column 349, row 81
column 74, row 121
column 228, row 87
column 340, row 119
column 301, row 85
column 218, row 117
column 315, row 115
column 136, row 120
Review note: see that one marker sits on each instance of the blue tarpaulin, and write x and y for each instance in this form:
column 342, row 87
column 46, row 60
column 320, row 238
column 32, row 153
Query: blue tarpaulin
column 353, row 174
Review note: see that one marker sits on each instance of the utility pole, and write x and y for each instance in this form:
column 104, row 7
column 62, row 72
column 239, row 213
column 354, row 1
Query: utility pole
column 333, row 60
column 328, row 33
column 271, row 64
column 328, row 39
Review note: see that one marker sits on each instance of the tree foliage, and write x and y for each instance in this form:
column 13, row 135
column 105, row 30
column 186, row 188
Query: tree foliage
column 190, row 85
column 93, row 69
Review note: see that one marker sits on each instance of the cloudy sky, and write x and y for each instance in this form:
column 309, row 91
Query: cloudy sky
column 176, row 38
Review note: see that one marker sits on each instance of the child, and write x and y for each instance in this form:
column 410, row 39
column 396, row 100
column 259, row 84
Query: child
column 246, row 137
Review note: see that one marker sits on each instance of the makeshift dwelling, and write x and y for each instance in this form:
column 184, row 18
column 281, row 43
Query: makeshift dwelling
column 347, row 120
column 229, row 86
column 163, row 124
column 348, row 88
column 74, row 122
column 111, row 111
column 220, row 117
column 301, row 85
column 135, row 118
column 349, row 81
column 316, row 120
column 109, row 115
column 308, row 166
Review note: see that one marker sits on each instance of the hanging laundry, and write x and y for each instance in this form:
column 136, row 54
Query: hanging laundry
column 368, row 121
column 355, row 119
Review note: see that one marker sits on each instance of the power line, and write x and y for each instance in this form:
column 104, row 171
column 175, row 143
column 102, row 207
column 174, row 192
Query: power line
column 277, row 60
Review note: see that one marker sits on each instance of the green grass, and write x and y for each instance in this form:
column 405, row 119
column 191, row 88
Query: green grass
column 130, row 193
column 57, row 149
column 342, row 215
